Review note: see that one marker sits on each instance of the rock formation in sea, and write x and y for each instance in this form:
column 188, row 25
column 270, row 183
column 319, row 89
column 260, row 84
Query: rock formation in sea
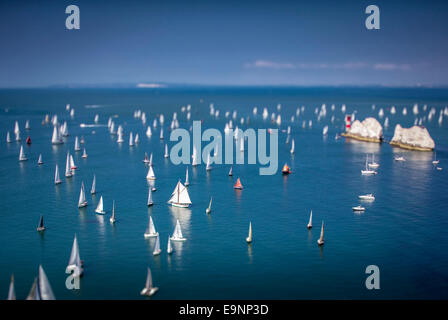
column 414, row 138
column 367, row 130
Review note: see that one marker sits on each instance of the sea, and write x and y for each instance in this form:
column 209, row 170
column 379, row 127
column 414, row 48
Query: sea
column 403, row 232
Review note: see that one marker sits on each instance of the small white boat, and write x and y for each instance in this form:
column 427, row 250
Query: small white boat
column 149, row 290
column 321, row 240
column 150, row 202
column 169, row 248
column 166, row 151
column 57, row 179
column 100, row 209
column 209, row 209
column 310, row 223
column 187, row 182
column 249, row 237
column 180, row 197
column 22, row 156
column 150, row 175
column 93, row 189
column 77, row 146
column 40, row 161
column 75, row 263
column 68, row 170
column 151, row 230
column 401, row 158
column 373, row 164
column 439, row 168
column 177, row 234
column 359, row 208
column 82, row 202
column 112, row 219
column 84, row 154
column 435, row 161
column 367, row 171
column 157, row 249
column 368, row 197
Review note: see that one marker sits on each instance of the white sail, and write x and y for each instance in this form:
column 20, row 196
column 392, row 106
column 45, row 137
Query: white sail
column 74, row 264
column 157, row 247
column 150, row 159
column 208, row 167
column 77, row 146
column 148, row 290
column 44, row 286
column 57, row 179
column 161, row 133
column 40, row 161
column 120, row 137
column 68, row 171
column 93, row 189
column 310, row 223
column 148, row 132
column 249, row 237
column 131, row 139
column 12, row 291
column 82, row 197
column 169, row 248
column 320, row 241
column 187, row 182
column 231, row 171
column 72, row 164
column 292, row 146
column 22, row 156
column 97, row 118
column 112, row 219
column 177, row 234
column 84, row 153
column 194, row 157
column 242, row 144
column 150, row 202
column 99, row 208
column 325, row 131
column 151, row 175
column 166, row 151
column 8, row 137
column 55, row 139
column 151, row 230
column 180, row 196
column 16, row 128
column 137, row 139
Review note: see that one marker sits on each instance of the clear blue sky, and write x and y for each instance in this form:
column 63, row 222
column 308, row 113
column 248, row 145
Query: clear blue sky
column 224, row 42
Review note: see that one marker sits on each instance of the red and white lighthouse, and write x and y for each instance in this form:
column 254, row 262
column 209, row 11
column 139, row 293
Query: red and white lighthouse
column 348, row 122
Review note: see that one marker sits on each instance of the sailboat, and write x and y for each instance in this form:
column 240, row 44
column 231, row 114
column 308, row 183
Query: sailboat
column 187, row 182
column 34, row 293
column 231, row 171
column 238, row 185
column 320, row 241
column 41, row 226
column 75, row 263
column 57, row 179
column 40, row 161
column 161, row 133
column 169, row 248
column 77, row 146
column 146, row 158
column 131, row 140
column 150, row 202
column 208, row 167
column 112, row 219
column 22, row 156
column 151, row 230
column 292, row 146
column 99, row 209
column 120, row 137
column 180, row 197
column 310, row 223
column 157, row 249
column 41, row 289
column 93, row 189
column 400, row 158
column 84, row 154
column 177, row 234
column 435, row 161
column 194, row 157
column 242, row 144
column 369, row 197
column 373, row 164
column 82, row 202
column 151, row 175
column 367, row 171
column 148, row 132
column 72, row 164
column 68, row 171
column 249, row 237
column 166, row 151
column 8, row 137
column 150, row 159
column 11, row 291
column 56, row 139
column 149, row 290
column 209, row 209
column 137, row 139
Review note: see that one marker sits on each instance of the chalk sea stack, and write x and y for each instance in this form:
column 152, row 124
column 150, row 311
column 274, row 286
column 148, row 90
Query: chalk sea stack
column 368, row 130
column 414, row 138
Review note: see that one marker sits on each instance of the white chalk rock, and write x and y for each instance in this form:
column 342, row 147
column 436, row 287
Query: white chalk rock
column 415, row 136
column 368, row 128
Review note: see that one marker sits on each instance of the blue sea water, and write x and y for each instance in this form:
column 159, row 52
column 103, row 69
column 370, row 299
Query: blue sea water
column 403, row 231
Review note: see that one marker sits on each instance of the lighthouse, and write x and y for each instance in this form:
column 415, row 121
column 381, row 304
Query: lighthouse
column 348, row 121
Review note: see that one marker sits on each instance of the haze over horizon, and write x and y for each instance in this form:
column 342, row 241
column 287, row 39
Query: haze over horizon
column 255, row 43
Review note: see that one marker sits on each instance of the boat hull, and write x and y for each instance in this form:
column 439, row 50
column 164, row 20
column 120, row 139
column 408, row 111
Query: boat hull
column 149, row 292
column 82, row 205
column 178, row 239
column 100, row 212
column 180, row 205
